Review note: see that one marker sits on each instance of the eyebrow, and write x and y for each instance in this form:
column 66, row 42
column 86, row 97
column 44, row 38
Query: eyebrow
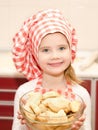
column 41, row 47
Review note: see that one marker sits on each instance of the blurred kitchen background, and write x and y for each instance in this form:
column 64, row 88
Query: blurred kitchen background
column 83, row 14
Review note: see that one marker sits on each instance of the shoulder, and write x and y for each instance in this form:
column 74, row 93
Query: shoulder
column 78, row 89
column 28, row 86
column 81, row 91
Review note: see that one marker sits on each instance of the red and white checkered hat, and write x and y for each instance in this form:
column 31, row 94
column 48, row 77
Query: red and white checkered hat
column 27, row 40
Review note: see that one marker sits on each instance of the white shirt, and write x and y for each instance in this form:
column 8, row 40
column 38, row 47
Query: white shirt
column 28, row 86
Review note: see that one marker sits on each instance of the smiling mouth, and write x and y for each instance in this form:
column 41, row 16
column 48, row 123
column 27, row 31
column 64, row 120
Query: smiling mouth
column 55, row 64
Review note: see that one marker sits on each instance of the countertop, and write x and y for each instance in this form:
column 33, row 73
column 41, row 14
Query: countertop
column 7, row 68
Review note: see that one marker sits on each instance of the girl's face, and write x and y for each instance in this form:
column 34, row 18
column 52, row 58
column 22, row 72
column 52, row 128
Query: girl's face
column 54, row 54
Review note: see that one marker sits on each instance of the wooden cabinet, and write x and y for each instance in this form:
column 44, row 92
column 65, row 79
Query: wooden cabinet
column 8, row 87
column 87, row 84
column 5, row 124
column 92, row 86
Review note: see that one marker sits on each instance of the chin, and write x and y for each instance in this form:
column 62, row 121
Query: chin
column 56, row 73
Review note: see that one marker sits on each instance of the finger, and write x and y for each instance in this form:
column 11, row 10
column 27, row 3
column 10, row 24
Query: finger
column 75, row 128
column 24, row 101
column 20, row 117
column 77, row 125
column 84, row 105
column 19, row 112
column 23, row 121
column 82, row 118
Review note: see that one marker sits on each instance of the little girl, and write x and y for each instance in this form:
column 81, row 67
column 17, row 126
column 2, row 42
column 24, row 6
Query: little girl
column 43, row 51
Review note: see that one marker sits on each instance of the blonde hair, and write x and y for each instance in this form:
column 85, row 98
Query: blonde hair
column 71, row 76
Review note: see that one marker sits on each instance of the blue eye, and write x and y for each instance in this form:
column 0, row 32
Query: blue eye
column 62, row 48
column 45, row 50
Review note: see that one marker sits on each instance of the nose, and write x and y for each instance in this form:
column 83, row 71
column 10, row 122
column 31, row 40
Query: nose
column 55, row 55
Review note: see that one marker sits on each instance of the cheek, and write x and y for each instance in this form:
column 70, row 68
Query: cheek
column 68, row 58
column 42, row 64
column 68, row 55
column 41, row 61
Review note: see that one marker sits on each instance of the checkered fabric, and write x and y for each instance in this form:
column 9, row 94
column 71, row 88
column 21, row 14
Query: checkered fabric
column 27, row 40
column 67, row 93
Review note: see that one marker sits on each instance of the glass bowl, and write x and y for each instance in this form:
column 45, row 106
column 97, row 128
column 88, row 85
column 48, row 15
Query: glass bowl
column 50, row 110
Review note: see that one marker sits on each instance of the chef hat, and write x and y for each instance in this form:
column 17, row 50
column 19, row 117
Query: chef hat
column 27, row 40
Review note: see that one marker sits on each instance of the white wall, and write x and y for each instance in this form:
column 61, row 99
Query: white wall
column 83, row 14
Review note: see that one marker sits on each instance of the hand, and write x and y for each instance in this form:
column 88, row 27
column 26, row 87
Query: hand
column 21, row 118
column 78, row 123
column 23, row 121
